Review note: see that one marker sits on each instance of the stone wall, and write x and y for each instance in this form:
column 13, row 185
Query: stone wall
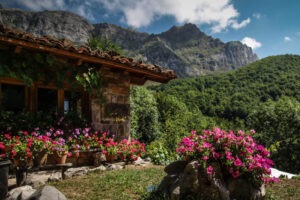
column 113, row 115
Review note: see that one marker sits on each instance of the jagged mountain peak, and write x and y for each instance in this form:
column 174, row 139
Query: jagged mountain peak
column 182, row 33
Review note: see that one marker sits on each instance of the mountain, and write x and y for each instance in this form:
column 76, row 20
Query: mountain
column 184, row 49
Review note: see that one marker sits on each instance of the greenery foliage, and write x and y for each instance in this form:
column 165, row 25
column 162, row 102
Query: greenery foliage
column 106, row 45
column 144, row 115
column 278, row 125
column 158, row 153
column 264, row 96
column 46, row 68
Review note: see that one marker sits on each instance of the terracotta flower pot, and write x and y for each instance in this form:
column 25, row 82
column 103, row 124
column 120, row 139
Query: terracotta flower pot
column 40, row 159
column 60, row 158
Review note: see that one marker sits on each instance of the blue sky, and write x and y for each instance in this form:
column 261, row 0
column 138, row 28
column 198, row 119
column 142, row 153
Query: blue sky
column 270, row 27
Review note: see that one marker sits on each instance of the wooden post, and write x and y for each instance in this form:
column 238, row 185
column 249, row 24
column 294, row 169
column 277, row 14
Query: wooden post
column 33, row 95
column 60, row 100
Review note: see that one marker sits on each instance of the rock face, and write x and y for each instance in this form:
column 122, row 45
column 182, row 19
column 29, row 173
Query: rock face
column 184, row 49
column 187, row 180
column 57, row 24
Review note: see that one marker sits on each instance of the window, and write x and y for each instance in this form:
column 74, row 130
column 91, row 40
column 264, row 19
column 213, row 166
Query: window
column 72, row 102
column 13, row 97
column 47, row 100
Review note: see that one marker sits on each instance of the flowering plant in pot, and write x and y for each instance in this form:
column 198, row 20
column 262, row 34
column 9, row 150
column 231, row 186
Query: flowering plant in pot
column 41, row 146
column 132, row 149
column 237, row 153
column 110, row 149
column 20, row 153
column 60, row 150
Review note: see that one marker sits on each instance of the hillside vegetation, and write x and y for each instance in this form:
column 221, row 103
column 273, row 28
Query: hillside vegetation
column 264, row 96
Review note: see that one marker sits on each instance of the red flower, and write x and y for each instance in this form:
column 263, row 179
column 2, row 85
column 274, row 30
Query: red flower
column 29, row 154
column 7, row 136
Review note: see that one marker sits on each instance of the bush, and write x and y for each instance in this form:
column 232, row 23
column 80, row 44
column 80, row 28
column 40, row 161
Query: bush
column 237, row 153
column 158, row 153
column 144, row 115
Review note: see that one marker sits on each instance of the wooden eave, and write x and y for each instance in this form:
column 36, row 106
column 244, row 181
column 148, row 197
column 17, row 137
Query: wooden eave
column 144, row 74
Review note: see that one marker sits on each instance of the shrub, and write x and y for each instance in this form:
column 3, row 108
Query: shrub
column 237, row 153
column 158, row 153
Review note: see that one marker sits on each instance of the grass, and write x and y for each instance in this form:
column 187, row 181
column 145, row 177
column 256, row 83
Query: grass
column 117, row 184
column 286, row 189
column 132, row 183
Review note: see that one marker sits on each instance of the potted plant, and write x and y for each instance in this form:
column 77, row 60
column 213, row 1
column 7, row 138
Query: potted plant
column 41, row 146
column 60, row 150
column 110, row 149
column 20, row 153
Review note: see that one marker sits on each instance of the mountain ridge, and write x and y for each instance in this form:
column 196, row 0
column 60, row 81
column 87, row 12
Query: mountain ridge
column 185, row 49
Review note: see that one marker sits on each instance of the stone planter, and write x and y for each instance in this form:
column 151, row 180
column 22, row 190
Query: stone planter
column 4, row 167
column 188, row 180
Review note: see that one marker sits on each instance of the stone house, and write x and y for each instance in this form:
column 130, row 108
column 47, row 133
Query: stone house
column 117, row 72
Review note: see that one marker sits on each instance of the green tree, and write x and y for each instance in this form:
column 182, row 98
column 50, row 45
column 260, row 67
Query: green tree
column 144, row 115
column 278, row 127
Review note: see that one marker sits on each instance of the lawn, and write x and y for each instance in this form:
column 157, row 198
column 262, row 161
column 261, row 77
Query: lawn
column 132, row 183
column 118, row 184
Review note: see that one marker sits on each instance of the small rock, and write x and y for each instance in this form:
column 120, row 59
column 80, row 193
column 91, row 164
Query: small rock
column 139, row 161
column 26, row 194
column 55, row 177
column 114, row 167
column 47, row 193
column 148, row 159
column 100, row 168
column 76, row 172
column 16, row 193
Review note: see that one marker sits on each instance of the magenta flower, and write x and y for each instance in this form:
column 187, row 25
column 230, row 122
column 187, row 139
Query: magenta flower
column 235, row 174
column 238, row 162
column 209, row 169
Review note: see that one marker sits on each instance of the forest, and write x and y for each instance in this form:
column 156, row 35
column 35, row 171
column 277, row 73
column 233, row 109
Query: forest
column 264, row 96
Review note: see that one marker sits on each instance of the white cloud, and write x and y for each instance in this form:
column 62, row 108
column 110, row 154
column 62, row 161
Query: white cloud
column 256, row 15
column 237, row 25
column 219, row 14
column 287, row 39
column 251, row 42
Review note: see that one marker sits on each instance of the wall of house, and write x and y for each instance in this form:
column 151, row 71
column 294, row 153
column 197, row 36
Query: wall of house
column 113, row 114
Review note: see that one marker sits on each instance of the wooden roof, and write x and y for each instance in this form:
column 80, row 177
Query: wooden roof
column 65, row 48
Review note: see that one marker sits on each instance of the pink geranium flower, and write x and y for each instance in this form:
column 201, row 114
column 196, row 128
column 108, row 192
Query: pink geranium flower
column 209, row 169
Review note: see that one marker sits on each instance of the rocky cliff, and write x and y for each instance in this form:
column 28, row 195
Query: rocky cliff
column 184, row 49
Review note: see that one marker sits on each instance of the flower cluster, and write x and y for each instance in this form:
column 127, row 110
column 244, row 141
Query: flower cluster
column 26, row 146
column 237, row 153
column 131, row 149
